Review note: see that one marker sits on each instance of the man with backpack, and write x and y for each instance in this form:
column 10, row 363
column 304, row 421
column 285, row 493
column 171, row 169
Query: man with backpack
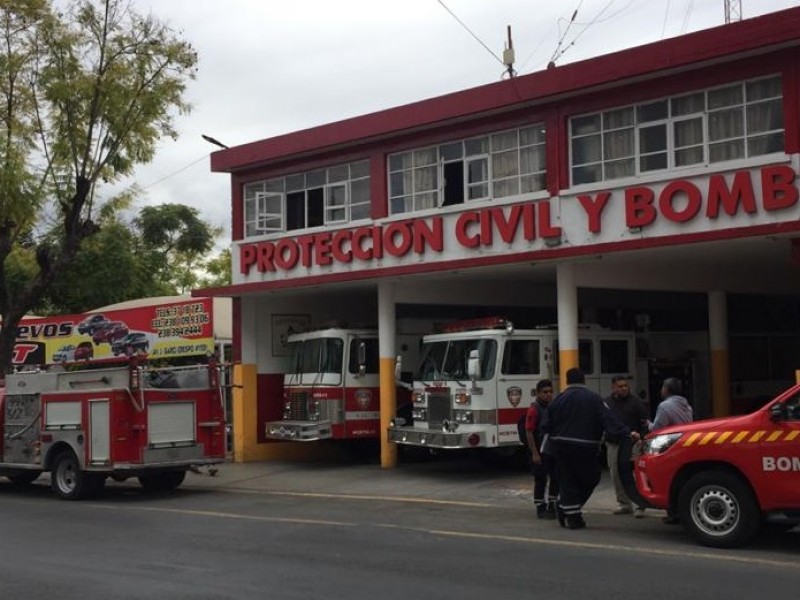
column 545, row 482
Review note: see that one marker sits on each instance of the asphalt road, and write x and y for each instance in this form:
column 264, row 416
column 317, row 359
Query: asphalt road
column 214, row 544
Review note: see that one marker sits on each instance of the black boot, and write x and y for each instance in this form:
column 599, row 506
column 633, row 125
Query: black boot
column 560, row 516
column 541, row 511
column 551, row 511
column 575, row 522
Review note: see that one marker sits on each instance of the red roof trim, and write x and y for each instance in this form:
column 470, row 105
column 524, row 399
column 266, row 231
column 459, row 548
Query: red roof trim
column 719, row 44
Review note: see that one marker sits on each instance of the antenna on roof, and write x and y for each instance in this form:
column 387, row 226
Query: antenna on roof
column 508, row 55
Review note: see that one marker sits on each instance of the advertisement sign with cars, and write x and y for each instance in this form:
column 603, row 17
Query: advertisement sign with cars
column 162, row 331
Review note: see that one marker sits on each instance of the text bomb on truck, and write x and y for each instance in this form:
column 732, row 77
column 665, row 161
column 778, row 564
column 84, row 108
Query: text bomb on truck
column 477, row 378
column 726, row 478
column 123, row 420
column 331, row 389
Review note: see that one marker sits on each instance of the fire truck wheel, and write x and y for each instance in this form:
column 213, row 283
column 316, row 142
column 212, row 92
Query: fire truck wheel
column 68, row 481
column 162, row 482
column 24, row 478
column 719, row 509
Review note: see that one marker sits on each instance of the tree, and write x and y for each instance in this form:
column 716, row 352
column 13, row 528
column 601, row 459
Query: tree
column 177, row 238
column 217, row 271
column 85, row 95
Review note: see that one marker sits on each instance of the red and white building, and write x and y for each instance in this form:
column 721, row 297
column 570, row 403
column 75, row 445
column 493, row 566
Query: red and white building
column 654, row 188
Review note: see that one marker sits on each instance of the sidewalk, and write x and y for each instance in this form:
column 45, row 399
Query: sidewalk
column 434, row 481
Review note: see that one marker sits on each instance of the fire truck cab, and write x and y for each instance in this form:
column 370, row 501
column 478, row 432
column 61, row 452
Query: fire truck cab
column 478, row 377
column 726, row 477
column 331, row 389
column 119, row 421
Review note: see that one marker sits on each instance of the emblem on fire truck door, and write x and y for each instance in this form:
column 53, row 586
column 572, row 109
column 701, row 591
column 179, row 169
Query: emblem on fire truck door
column 514, row 395
column 363, row 398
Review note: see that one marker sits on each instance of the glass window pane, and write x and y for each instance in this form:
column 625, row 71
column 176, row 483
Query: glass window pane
column 620, row 168
column 615, row 119
column 653, row 162
column 689, row 156
column 585, row 356
column 451, row 151
column 274, row 185
column 614, row 357
column 359, row 211
column 727, row 96
column 532, row 183
column 359, row 191
column 359, row 169
column 764, row 88
column 765, row 144
column 654, row 111
column 400, row 183
column 586, row 149
column 531, row 135
column 505, row 164
column 426, row 156
column 476, row 146
column 425, row 179
column 587, row 174
column 726, row 124
column 726, row 151
column 504, row 141
column 424, row 201
column 652, row 139
column 688, row 132
column 586, row 124
column 765, row 116
column 398, row 162
column 478, row 191
column 400, row 205
column 336, row 195
column 477, row 170
column 340, row 173
column 521, row 357
column 686, row 105
column 618, row 144
column 295, row 183
column 505, row 188
column 532, row 159
column 336, row 214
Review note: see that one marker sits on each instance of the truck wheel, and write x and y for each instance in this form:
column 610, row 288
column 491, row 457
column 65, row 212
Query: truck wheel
column 68, row 481
column 719, row 509
column 24, row 478
column 162, row 482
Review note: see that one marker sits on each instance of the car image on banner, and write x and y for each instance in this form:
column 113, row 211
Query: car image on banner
column 130, row 344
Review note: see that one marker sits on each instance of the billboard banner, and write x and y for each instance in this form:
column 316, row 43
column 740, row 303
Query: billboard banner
column 162, row 331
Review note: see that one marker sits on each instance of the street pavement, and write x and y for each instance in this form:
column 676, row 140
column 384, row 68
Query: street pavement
column 461, row 481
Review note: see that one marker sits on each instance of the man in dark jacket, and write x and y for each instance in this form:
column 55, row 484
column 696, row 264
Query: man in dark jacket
column 575, row 422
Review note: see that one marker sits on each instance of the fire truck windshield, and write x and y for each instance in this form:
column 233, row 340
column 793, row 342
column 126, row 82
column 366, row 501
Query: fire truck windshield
column 320, row 355
column 447, row 360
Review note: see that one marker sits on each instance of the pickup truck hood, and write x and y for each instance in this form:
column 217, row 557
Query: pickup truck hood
column 739, row 421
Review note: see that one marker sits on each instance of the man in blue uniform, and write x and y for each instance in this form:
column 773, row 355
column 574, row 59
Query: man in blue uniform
column 574, row 423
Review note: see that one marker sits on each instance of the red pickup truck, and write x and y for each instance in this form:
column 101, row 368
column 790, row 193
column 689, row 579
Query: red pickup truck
column 725, row 478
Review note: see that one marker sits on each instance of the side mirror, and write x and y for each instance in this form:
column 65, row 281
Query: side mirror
column 362, row 358
column 398, row 367
column 474, row 365
column 777, row 412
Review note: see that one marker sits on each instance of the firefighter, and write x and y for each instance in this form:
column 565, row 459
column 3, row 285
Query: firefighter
column 574, row 423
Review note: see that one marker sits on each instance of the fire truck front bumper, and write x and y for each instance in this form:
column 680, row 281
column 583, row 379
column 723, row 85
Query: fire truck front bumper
column 299, row 431
column 432, row 438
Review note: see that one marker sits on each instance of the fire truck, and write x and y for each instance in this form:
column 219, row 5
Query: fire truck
column 477, row 378
column 332, row 387
column 725, row 478
column 122, row 420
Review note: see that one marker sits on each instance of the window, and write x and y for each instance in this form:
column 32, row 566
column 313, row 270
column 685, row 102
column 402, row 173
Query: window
column 447, row 360
column 736, row 121
column 502, row 165
column 614, row 357
column 521, row 357
column 328, row 196
column 371, row 362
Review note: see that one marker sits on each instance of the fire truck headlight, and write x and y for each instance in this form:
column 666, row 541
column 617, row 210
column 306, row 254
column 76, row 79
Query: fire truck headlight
column 462, row 397
column 464, row 416
column 287, row 406
column 661, row 443
column 397, row 422
column 418, row 397
column 419, row 414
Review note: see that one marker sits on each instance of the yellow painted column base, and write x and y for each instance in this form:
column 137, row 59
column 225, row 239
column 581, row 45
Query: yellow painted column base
column 388, row 411
column 720, row 383
column 567, row 359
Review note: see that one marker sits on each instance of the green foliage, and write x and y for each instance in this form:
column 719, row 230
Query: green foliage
column 85, row 95
column 217, row 271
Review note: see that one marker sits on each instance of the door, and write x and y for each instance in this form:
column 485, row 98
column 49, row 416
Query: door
column 780, row 455
column 521, row 369
column 99, row 429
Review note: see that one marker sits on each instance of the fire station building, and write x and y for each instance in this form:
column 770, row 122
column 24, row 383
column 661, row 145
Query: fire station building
column 654, row 189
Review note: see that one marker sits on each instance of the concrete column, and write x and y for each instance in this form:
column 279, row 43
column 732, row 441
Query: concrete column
column 387, row 346
column 567, row 303
column 720, row 359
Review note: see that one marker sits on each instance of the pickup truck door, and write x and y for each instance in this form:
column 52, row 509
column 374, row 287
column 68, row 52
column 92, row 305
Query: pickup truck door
column 780, row 456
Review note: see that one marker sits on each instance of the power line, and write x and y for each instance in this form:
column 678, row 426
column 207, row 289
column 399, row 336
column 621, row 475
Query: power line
column 181, row 170
column 460, row 22
column 664, row 25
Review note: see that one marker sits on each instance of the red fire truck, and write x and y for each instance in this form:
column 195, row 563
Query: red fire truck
column 122, row 420
column 476, row 379
column 331, row 389
column 726, row 477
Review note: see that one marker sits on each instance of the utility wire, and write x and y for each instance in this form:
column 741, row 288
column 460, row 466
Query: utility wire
column 664, row 25
column 582, row 31
column 689, row 9
column 460, row 22
column 181, row 170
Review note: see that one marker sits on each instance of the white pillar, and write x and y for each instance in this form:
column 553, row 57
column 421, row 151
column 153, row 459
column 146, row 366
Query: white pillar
column 567, row 303
column 387, row 347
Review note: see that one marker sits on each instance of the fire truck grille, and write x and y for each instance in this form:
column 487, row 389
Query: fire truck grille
column 298, row 406
column 438, row 409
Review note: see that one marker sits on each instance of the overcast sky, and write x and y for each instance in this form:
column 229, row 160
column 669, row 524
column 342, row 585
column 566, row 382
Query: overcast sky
column 269, row 67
